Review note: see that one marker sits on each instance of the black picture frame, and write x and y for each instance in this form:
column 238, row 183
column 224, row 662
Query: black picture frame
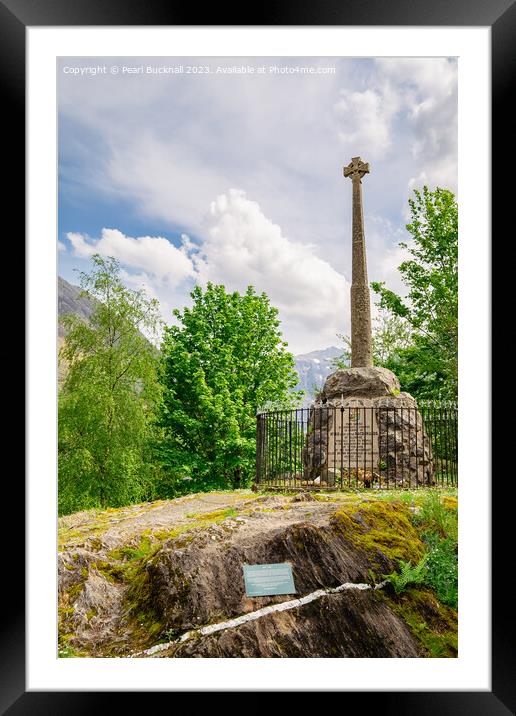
column 500, row 16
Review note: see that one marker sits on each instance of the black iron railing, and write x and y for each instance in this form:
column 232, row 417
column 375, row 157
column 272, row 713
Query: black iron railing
column 332, row 447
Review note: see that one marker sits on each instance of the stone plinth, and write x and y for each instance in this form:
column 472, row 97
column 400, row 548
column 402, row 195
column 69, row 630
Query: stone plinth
column 360, row 382
column 362, row 429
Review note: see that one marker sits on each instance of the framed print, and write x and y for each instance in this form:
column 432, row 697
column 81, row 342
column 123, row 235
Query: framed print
column 177, row 173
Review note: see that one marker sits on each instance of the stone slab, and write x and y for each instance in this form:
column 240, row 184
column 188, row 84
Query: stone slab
column 353, row 440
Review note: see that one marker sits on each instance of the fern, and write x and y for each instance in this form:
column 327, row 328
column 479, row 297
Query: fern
column 408, row 574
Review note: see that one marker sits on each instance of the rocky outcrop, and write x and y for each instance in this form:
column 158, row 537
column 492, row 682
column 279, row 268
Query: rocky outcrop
column 167, row 582
column 352, row 624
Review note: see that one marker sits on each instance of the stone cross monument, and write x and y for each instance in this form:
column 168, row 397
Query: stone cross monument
column 361, row 351
column 362, row 428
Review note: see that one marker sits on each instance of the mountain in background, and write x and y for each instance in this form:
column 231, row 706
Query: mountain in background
column 313, row 368
column 69, row 300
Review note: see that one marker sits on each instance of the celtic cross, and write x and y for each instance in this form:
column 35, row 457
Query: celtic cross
column 361, row 341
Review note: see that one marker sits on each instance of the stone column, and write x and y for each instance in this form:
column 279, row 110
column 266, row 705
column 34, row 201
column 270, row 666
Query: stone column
column 362, row 429
column 361, row 343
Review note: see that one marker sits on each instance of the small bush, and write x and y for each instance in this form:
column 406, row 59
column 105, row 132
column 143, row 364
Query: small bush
column 442, row 570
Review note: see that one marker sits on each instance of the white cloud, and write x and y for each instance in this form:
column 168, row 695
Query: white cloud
column 428, row 76
column 366, row 119
column 167, row 181
column 441, row 172
column 384, row 254
column 243, row 247
column 420, row 93
column 157, row 257
column 427, row 88
column 60, row 246
column 171, row 145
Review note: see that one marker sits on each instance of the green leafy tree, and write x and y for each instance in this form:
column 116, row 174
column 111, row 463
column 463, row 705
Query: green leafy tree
column 109, row 397
column 428, row 367
column 223, row 359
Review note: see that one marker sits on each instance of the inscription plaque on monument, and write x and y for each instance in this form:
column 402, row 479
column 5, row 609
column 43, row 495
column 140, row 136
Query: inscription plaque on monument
column 267, row 579
column 353, row 437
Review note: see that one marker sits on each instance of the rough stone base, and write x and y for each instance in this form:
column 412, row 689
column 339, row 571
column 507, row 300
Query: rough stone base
column 404, row 454
column 360, row 383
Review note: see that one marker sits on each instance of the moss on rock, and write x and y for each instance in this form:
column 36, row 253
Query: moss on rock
column 383, row 530
column 433, row 624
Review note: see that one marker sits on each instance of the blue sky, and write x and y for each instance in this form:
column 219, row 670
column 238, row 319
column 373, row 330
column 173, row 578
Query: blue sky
column 237, row 178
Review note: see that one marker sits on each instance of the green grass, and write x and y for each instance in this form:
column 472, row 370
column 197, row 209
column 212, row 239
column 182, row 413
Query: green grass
column 435, row 518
